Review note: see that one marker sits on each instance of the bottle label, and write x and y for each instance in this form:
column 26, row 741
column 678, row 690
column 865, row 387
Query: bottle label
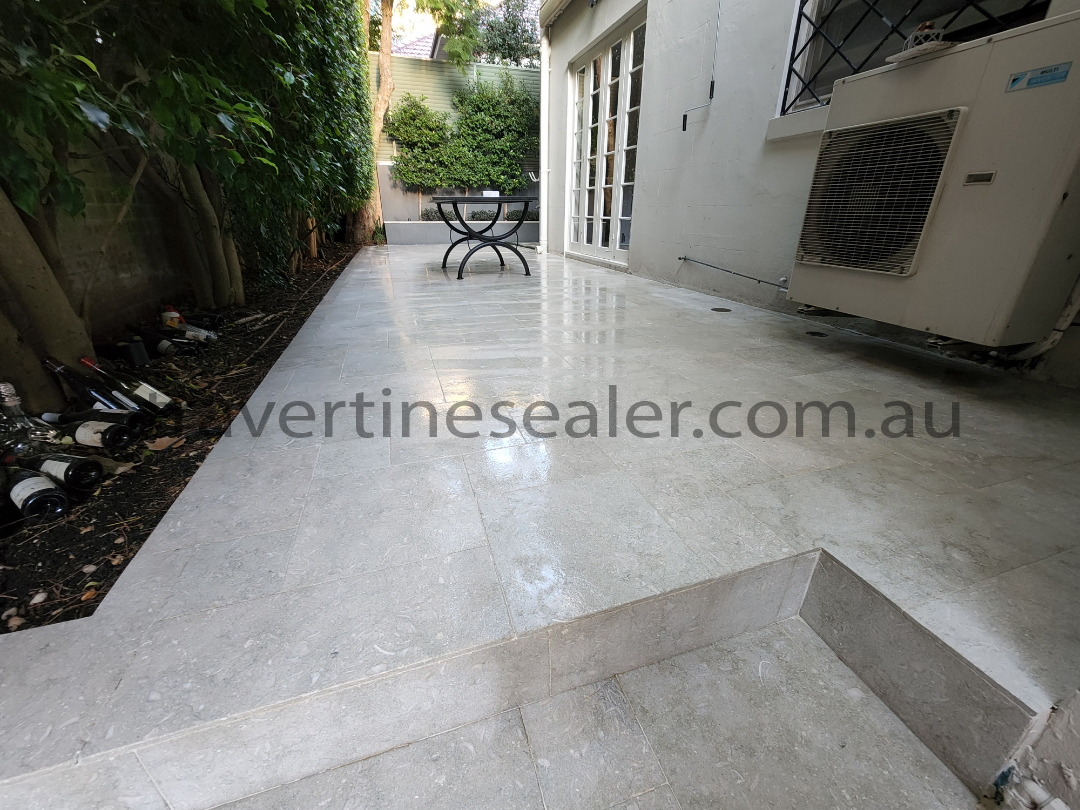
column 131, row 405
column 89, row 433
column 57, row 469
column 152, row 395
column 24, row 489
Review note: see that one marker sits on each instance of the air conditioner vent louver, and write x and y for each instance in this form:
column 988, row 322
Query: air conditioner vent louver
column 873, row 189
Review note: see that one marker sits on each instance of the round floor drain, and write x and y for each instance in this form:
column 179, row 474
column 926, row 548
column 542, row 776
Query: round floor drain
column 818, row 334
column 720, row 309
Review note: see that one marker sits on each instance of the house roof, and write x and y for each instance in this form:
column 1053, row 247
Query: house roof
column 550, row 9
column 418, row 47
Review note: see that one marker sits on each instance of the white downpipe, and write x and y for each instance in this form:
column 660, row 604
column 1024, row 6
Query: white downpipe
column 545, row 118
column 1068, row 315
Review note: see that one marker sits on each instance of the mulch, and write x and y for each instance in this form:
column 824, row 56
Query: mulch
column 76, row 559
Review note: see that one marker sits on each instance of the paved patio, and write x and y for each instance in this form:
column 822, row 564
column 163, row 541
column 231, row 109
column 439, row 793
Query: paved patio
column 291, row 565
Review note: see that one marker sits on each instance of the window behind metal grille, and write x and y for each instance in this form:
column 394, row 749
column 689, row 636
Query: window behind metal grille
column 837, row 38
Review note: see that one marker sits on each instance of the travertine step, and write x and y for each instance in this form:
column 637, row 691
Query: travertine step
column 968, row 723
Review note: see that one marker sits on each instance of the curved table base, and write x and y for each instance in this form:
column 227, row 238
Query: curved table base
column 492, row 245
column 486, row 239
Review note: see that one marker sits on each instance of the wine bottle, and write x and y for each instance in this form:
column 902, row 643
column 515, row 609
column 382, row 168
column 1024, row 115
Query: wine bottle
column 76, row 472
column 136, row 420
column 91, row 391
column 35, row 495
column 133, row 387
column 155, row 341
column 94, row 433
column 17, row 430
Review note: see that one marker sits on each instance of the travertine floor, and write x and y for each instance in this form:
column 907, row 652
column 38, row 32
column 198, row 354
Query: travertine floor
column 768, row 719
column 292, row 564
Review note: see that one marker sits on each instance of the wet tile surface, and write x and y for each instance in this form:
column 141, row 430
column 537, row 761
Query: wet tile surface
column 426, row 545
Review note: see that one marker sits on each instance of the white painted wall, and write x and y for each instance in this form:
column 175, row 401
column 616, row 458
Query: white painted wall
column 719, row 191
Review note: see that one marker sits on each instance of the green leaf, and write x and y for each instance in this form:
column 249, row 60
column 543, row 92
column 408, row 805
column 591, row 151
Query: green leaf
column 86, row 62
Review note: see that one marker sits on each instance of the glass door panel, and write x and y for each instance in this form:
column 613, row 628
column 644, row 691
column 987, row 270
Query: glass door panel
column 606, row 107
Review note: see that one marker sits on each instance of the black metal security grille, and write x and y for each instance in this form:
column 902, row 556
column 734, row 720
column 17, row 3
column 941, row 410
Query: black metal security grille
column 838, row 38
column 872, row 192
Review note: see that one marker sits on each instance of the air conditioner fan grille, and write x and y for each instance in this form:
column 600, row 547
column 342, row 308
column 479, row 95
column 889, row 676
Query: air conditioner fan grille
column 872, row 192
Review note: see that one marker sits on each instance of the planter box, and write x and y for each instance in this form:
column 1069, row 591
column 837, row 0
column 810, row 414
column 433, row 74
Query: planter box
column 436, row 233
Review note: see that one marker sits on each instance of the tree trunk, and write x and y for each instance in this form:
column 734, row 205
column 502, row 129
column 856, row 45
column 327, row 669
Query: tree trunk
column 228, row 246
column 211, row 232
column 37, row 291
column 44, row 235
column 373, row 213
column 21, row 367
column 236, row 274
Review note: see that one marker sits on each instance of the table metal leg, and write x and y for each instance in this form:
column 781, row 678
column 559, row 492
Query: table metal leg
column 493, row 246
column 452, row 246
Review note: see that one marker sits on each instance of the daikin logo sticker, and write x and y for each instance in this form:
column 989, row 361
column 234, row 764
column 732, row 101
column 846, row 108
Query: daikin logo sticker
column 1052, row 74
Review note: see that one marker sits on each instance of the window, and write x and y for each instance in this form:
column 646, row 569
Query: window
column 838, row 38
column 606, row 101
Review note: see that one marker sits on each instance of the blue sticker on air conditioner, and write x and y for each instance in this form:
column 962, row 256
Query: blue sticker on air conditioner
column 1051, row 74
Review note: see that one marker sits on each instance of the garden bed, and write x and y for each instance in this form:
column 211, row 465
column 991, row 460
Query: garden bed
column 76, row 559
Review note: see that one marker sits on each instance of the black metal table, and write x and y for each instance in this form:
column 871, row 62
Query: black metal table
column 486, row 235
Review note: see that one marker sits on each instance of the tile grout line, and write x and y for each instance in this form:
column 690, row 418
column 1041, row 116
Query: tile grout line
column 532, row 755
column 667, row 780
column 983, row 582
column 153, row 781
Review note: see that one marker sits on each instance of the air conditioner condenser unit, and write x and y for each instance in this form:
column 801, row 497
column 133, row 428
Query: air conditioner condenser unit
column 946, row 194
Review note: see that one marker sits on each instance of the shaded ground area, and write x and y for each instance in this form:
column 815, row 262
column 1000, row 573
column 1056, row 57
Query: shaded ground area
column 74, row 561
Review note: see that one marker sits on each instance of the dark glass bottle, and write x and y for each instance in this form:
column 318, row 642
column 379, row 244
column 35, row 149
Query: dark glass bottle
column 36, row 496
column 136, row 420
column 155, row 341
column 134, row 388
column 93, row 433
column 76, row 472
column 91, row 391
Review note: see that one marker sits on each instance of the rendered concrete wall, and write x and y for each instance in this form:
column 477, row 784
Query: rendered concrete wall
column 141, row 267
column 719, row 191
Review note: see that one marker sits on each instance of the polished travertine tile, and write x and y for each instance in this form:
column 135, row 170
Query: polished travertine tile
column 232, row 571
column 567, row 549
column 377, row 519
column 911, row 532
column 485, row 766
column 201, row 625
column 108, row 783
column 1021, row 627
column 773, row 719
column 590, row 750
column 215, row 663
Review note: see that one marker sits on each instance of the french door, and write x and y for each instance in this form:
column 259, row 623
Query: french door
column 606, row 95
